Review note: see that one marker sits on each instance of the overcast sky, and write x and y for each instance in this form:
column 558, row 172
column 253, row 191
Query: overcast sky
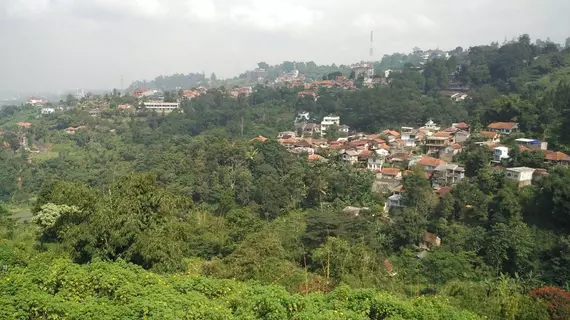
column 67, row 44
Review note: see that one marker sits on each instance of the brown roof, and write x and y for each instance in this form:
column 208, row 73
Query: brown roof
column 24, row 124
column 489, row 134
column 443, row 134
column 365, row 154
column 456, row 146
column 358, row 143
column 259, row 138
column 462, row 125
column 443, row 191
column 502, row 125
column 390, row 171
column 289, row 141
column 431, row 162
column 314, row 157
column 391, row 132
column 524, row 148
column 556, row 156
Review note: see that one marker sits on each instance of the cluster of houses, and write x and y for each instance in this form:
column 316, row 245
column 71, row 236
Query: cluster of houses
column 391, row 155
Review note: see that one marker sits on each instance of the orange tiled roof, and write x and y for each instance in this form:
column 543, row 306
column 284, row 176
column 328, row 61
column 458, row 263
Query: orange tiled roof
column 314, row 157
column 391, row 132
column 390, row 171
column 462, row 125
column 556, row 156
column 502, row 125
column 431, row 162
column 24, row 124
column 442, row 134
column 443, row 191
column 489, row 134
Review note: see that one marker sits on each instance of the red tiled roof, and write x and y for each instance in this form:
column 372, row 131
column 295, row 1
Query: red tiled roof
column 314, row 157
column 365, row 154
column 430, row 162
column 390, row 171
column 443, row 191
column 290, row 140
column 556, row 156
column 524, row 148
column 391, row 132
column 489, row 134
column 456, row 146
column 24, row 124
column 502, row 125
column 462, row 125
column 442, row 134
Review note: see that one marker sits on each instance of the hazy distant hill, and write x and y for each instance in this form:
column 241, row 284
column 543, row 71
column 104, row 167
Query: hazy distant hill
column 170, row 82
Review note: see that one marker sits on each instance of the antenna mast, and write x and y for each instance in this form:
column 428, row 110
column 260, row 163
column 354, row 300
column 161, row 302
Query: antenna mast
column 371, row 44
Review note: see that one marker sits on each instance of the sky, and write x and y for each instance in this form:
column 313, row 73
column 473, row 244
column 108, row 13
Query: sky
column 50, row 45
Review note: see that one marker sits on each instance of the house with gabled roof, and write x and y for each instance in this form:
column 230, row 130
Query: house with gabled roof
column 430, row 163
column 555, row 158
column 505, row 128
column 350, row 156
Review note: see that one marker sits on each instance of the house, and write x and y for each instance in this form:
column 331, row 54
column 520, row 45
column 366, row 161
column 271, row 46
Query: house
column 449, row 152
column 500, row 153
column 439, row 141
column 461, row 126
column 73, row 130
column 429, row 240
column 442, row 192
column 288, row 143
column 315, row 157
column 143, row 92
column 391, row 133
column 162, row 107
column 343, row 129
column 47, row 110
column 459, row 96
column 25, row 125
column 35, row 101
column 375, row 163
column 350, row 156
column 391, row 173
column 555, row 158
column 308, row 129
column 532, row 144
column 521, row 175
column 491, row 137
column 505, row 128
column 461, row 136
column 286, row 134
column 395, row 200
column 430, row 126
column 124, row 107
column 430, row 163
column 302, row 117
column 448, row 175
column 259, row 138
column 409, row 136
column 329, row 121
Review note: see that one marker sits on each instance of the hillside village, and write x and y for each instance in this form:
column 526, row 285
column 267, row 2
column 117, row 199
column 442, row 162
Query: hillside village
column 393, row 154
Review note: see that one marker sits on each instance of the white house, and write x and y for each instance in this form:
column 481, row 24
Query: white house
column 45, row 111
column 329, row 121
column 350, row 156
column 430, row 126
column 375, row 163
column 500, row 153
column 409, row 135
column 522, row 175
column 503, row 127
column 302, row 117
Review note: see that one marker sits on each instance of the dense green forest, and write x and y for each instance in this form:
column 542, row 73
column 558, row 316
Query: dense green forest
column 183, row 216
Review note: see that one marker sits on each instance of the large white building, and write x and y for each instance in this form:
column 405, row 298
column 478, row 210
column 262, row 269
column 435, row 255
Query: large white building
column 329, row 121
column 522, row 175
column 159, row 106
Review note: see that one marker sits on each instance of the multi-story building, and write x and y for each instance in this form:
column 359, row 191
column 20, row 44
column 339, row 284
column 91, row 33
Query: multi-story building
column 500, row 153
column 164, row 107
column 329, row 121
column 409, row 136
column 439, row 141
column 447, row 175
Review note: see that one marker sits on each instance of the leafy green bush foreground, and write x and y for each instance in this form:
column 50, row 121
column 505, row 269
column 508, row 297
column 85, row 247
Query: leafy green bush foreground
column 105, row 290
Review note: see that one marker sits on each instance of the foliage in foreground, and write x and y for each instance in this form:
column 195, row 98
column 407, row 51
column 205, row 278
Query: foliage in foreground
column 103, row 290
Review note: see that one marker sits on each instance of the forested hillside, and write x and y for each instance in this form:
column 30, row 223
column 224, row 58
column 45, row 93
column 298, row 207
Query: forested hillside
column 139, row 215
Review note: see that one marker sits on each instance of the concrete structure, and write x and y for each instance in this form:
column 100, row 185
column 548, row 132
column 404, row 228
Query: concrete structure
column 350, row 156
column 375, row 163
column 159, row 106
column 448, row 175
column 329, row 121
column 45, row 111
column 409, row 135
column 522, row 175
column 430, row 126
column 500, row 153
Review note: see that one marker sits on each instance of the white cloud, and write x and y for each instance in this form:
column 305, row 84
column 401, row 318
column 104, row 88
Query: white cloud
column 25, row 8
column 275, row 15
column 368, row 22
column 424, row 22
column 203, row 10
